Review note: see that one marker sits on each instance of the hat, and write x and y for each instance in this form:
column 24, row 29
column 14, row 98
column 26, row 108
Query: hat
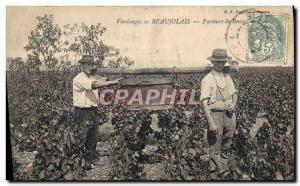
column 219, row 55
column 87, row 59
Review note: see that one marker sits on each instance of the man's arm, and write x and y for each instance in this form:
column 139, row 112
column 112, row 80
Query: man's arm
column 234, row 100
column 211, row 123
column 234, row 93
column 98, row 84
column 205, row 95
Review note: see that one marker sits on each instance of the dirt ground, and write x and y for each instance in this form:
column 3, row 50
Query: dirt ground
column 102, row 168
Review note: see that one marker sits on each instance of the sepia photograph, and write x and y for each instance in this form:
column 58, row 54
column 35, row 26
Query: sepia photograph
column 150, row 93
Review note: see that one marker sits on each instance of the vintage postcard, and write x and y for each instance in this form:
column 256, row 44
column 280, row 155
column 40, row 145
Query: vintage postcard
column 150, row 93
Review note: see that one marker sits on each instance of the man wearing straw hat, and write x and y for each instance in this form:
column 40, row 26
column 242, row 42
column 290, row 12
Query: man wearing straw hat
column 219, row 99
column 85, row 101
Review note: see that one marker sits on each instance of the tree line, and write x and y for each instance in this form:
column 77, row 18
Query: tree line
column 51, row 47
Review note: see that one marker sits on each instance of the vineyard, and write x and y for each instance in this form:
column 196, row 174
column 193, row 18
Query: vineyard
column 149, row 145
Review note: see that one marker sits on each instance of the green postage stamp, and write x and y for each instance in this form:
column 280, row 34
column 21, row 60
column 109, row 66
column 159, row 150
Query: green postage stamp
column 267, row 38
column 260, row 36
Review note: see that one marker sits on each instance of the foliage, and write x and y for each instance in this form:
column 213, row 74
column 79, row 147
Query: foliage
column 51, row 47
column 29, row 97
column 44, row 42
column 131, row 128
column 182, row 147
column 79, row 39
column 61, row 148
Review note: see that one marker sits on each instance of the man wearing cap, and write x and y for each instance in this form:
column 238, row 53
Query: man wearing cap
column 85, row 101
column 219, row 99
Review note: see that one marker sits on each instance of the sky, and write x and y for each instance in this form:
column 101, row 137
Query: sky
column 148, row 45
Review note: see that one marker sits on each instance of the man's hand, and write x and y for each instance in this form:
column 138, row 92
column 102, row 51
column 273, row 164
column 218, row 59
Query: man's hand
column 116, row 81
column 211, row 123
column 231, row 108
column 98, row 84
column 212, row 127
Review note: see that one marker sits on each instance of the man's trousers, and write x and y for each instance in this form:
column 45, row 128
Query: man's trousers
column 220, row 144
column 90, row 115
